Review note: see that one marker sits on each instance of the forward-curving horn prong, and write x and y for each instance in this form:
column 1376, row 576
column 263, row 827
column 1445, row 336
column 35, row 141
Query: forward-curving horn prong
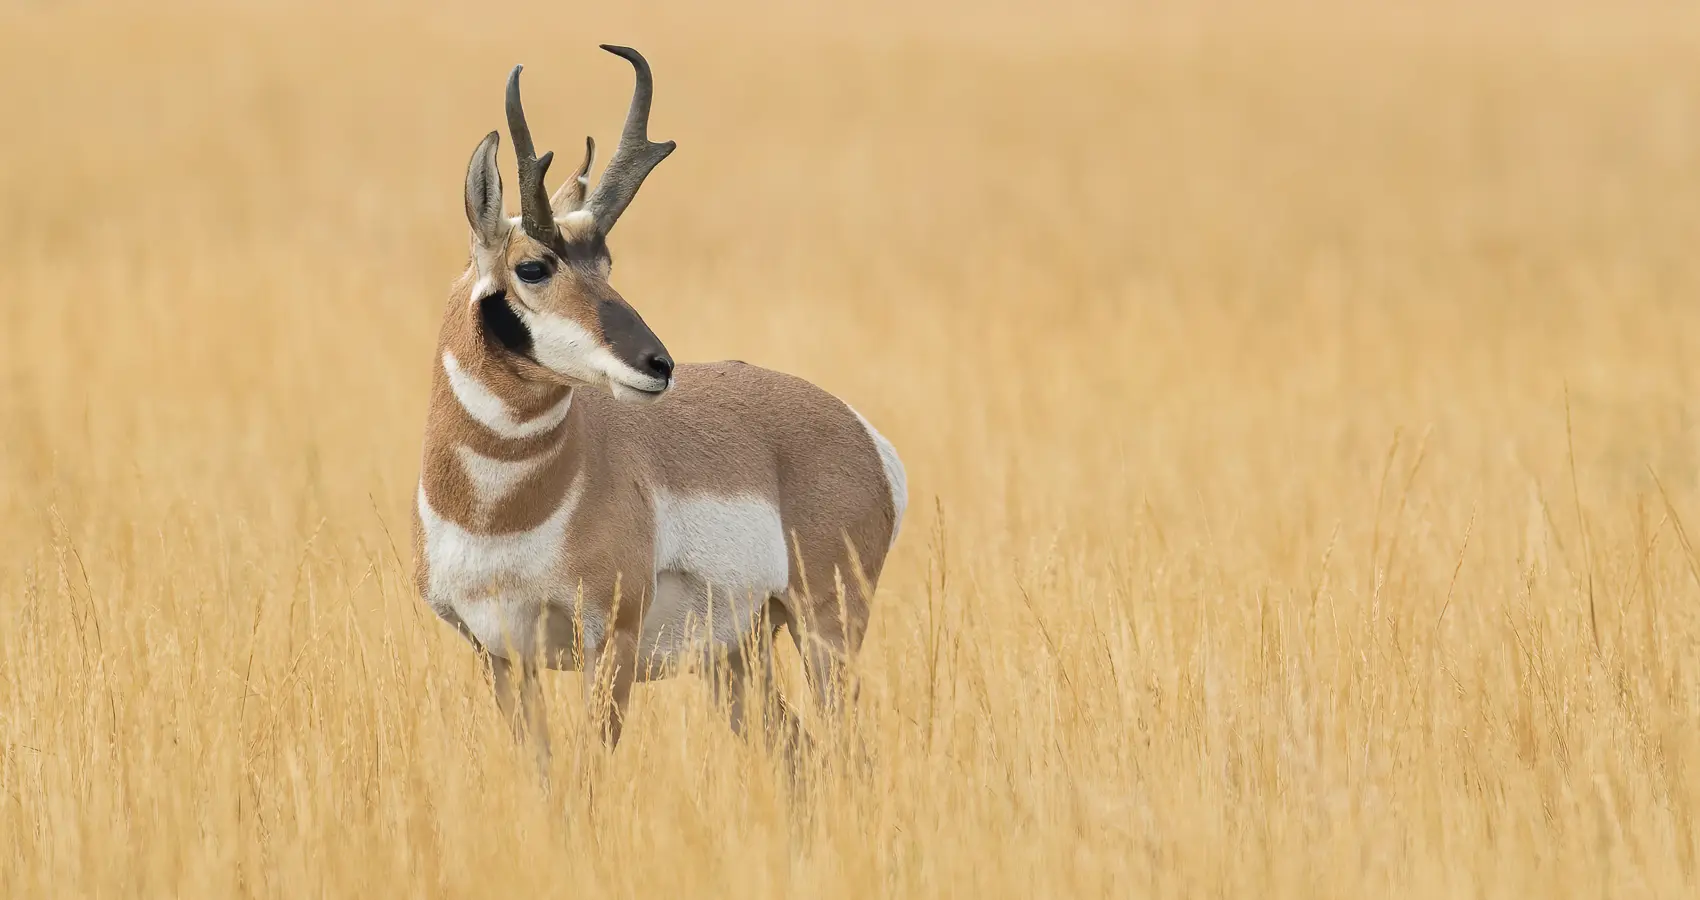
column 535, row 214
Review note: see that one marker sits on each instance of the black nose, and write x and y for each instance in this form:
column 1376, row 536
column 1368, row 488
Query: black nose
column 658, row 364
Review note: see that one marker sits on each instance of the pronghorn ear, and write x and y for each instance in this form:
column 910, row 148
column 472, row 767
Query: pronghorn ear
column 484, row 193
column 570, row 196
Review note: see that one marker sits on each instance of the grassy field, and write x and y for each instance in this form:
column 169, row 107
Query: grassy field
column 1300, row 404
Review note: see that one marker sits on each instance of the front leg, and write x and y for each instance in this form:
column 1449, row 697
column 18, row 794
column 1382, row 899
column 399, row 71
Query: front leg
column 608, row 681
column 519, row 695
column 610, row 687
column 519, row 692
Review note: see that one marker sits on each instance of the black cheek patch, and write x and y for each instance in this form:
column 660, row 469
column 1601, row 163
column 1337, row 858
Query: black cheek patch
column 502, row 325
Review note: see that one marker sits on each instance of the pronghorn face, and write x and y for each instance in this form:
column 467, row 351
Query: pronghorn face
column 540, row 295
column 551, row 313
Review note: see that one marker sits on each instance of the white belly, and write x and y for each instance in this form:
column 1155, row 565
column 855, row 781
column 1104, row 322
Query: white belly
column 717, row 561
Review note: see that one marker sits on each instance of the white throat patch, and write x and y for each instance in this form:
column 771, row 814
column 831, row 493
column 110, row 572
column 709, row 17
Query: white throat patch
column 488, row 410
column 493, row 479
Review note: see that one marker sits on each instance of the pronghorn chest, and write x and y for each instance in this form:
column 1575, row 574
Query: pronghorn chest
column 495, row 573
column 712, row 563
column 502, row 586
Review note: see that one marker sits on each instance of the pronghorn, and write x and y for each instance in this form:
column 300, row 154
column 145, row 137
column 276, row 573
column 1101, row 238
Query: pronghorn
column 568, row 520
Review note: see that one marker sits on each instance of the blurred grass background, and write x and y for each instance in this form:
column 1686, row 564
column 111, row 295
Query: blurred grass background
column 1298, row 402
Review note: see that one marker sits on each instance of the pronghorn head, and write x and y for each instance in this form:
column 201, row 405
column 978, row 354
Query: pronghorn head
column 541, row 297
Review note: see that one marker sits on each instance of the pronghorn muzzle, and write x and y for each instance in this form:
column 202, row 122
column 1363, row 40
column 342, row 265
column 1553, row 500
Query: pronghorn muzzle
column 632, row 341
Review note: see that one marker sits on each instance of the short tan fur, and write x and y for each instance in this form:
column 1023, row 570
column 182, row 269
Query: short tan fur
column 586, row 504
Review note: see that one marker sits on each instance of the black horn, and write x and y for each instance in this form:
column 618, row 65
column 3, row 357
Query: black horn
column 535, row 214
column 634, row 157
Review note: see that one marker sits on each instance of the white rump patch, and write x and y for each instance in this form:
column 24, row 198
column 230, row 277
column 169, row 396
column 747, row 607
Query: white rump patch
column 730, row 548
column 488, row 410
column 895, row 478
column 499, row 584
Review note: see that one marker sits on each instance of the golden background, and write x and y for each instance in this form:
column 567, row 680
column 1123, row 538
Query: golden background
column 1298, row 398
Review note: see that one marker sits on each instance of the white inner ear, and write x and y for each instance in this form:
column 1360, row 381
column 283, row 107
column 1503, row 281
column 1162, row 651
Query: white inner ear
column 487, row 260
column 481, row 289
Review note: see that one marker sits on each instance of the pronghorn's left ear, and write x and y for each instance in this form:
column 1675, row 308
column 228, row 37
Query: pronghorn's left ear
column 484, row 193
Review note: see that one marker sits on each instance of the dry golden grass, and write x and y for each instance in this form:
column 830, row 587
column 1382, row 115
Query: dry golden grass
column 1285, row 389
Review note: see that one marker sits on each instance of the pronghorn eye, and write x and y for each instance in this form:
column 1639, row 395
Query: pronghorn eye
column 532, row 272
